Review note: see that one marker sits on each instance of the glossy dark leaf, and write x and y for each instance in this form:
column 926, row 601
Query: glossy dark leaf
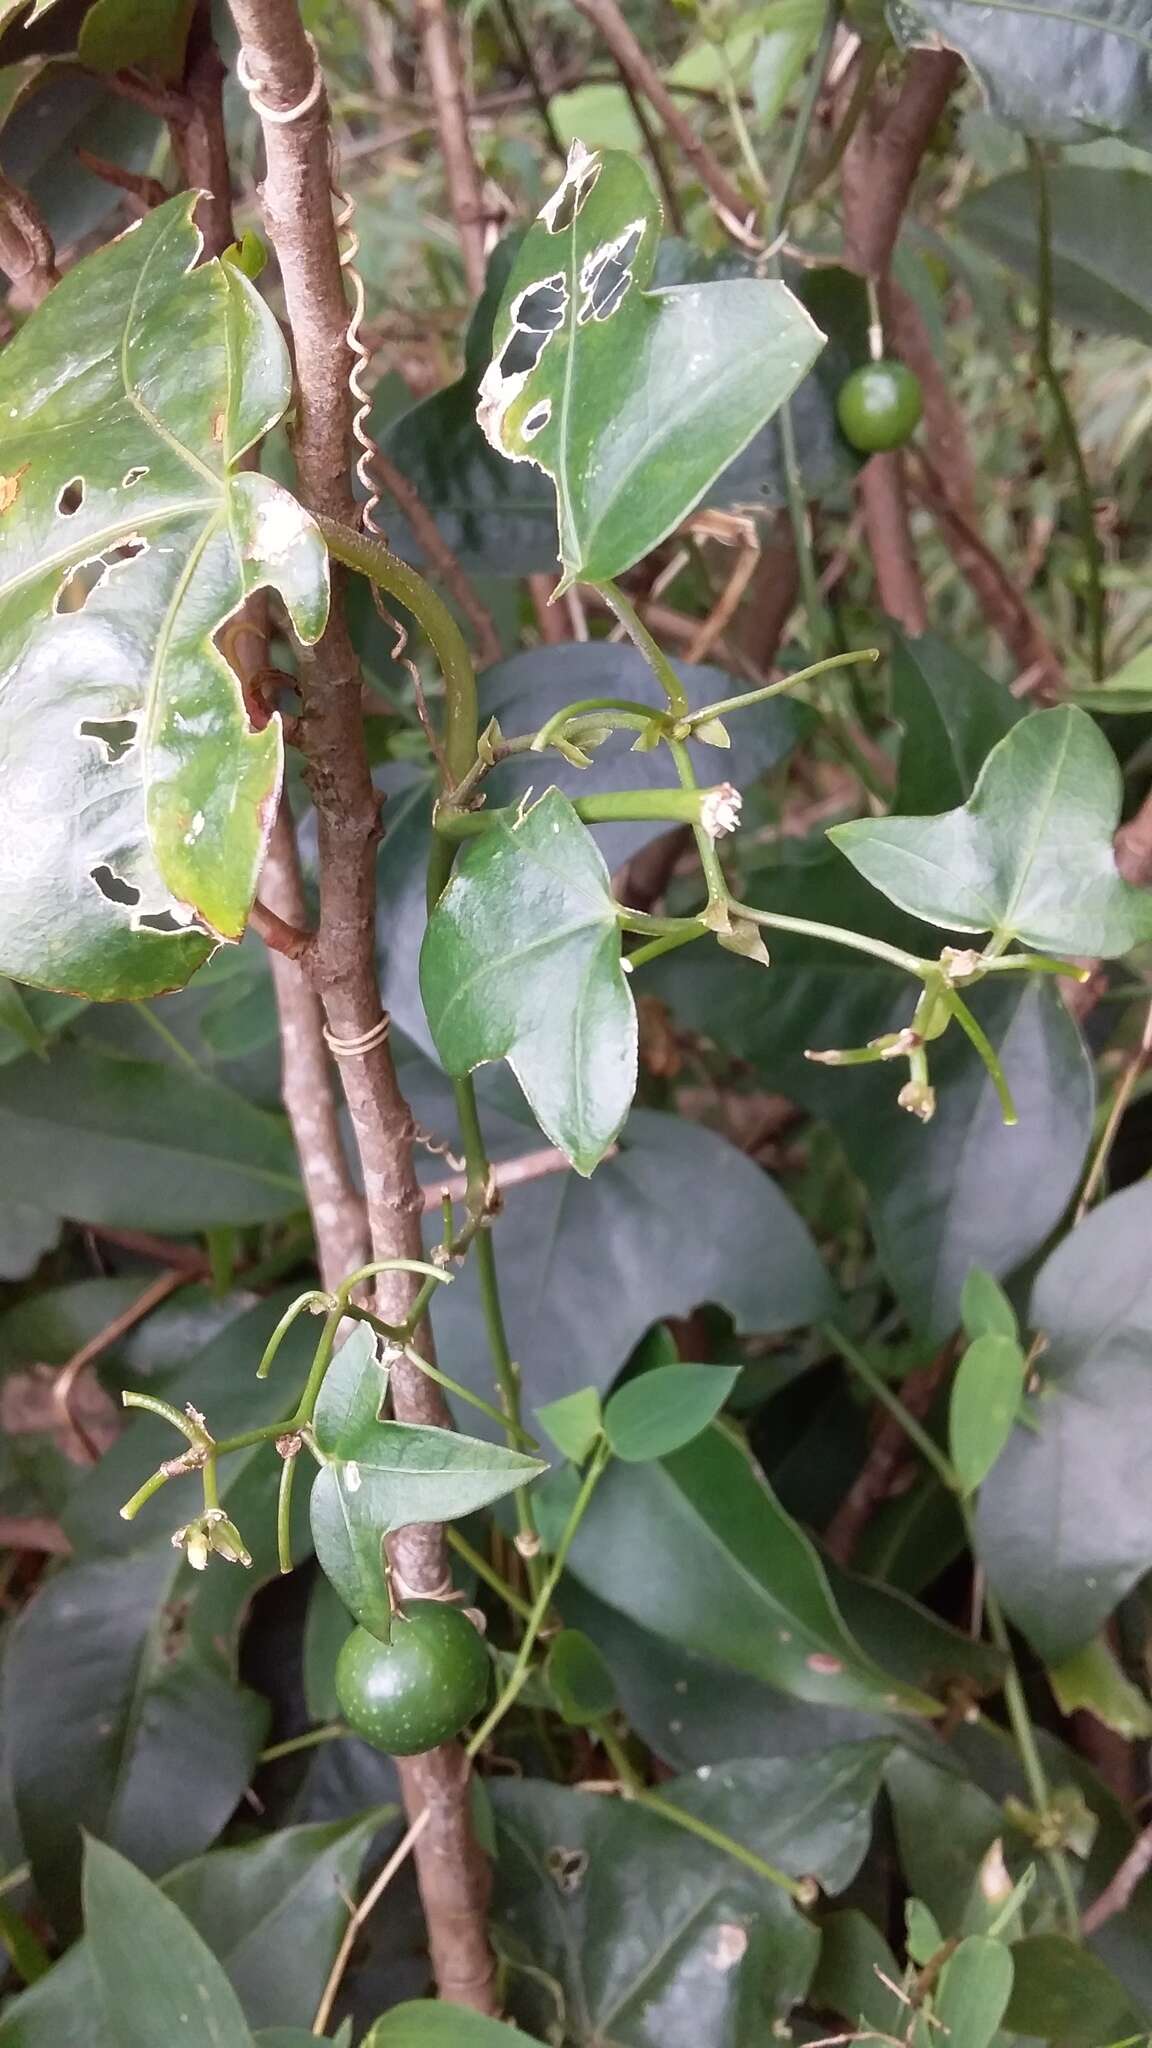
column 811, row 1817
column 1099, row 273
column 661, row 1411
column 26, row 1233
column 1062, row 1992
column 521, row 961
column 136, row 1650
column 131, row 1143
column 123, row 553
column 952, row 714
column 383, row 1475
column 429, row 2024
column 945, row 1827
column 655, row 1939
column 619, row 1240
column 272, row 1913
column 155, row 1977
column 50, row 112
column 1061, row 73
column 632, row 400
column 1029, row 856
column 1064, row 1525
column 698, row 1549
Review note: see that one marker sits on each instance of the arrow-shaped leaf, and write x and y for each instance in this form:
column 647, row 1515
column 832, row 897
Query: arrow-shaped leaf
column 521, row 962
column 632, row 401
column 137, row 797
column 384, row 1475
column 1029, row 856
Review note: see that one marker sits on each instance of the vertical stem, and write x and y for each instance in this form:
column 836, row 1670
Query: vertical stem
column 653, row 653
column 298, row 211
column 1050, row 375
column 465, row 189
column 1031, row 1763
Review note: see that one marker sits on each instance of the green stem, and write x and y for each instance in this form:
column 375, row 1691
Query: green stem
column 686, row 726
column 1035, row 963
column 314, row 1299
column 331, row 1732
column 209, row 1475
column 637, row 1791
column 194, row 1432
column 479, row 1170
column 976, row 1033
column 667, row 944
column 477, row 1562
column 519, row 1672
column 836, row 935
column 506, row 1422
column 614, row 806
column 1032, row 1765
column 642, row 639
column 284, row 1513
column 705, row 844
column 584, row 709
column 879, row 1387
column 131, row 1508
column 1050, row 375
column 372, row 559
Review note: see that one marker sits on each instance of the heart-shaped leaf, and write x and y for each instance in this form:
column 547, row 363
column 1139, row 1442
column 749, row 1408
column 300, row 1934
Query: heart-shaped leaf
column 1029, row 856
column 633, row 401
column 383, row 1475
column 521, row 961
column 137, row 796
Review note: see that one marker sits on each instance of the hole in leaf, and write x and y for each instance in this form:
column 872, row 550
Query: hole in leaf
column 115, row 888
column 536, row 421
column 160, row 921
column 541, row 306
column 80, row 583
column 569, row 196
column 607, row 274
column 71, row 498
column 117, row 735
column 522, row 353
column 134, row 476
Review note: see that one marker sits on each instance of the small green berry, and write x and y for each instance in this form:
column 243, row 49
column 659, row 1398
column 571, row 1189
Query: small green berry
column 879, row 406
column 418, row 1689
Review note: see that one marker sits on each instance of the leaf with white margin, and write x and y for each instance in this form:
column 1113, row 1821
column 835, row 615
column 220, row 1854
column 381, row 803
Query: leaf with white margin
column 633, row 401
column 136, row 795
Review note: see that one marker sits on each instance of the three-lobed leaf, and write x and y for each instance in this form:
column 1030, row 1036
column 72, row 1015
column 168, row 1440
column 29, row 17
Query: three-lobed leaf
column 137, row 795
column 1029, row 856
column 632, row 400
column 521, row 961
column 381, row 1476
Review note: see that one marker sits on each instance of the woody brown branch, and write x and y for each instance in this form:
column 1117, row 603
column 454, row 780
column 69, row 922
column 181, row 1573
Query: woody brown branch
column 298, row 214
column 465, row 186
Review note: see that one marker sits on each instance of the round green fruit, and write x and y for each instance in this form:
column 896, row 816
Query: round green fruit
column 879, row 406
column 409, row 1694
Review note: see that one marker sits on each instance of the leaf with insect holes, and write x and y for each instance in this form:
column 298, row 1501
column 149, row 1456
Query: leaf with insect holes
column 381, row 1476
column 633, row 401
column 137, row 797
column 1029, row 856
column 521, row 961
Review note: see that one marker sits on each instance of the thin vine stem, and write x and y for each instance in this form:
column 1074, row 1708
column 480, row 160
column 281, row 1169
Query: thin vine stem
column 1050, row 375
column 653, row 653
column 882, row 1392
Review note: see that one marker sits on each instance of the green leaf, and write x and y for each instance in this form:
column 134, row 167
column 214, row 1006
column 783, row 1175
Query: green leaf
column 1029, row 856
column 384, row 1475
column 1093, row 1680
column 985, row 1308
column 146, row 35
column 945, row 1828
column 974, row 1989
column 26, row 1233
column 579, row 1678
column 1128, row 692
column 136, row 1650
column 986, row 1395
column 633, row 401
column 272, row 1913
column 620, row 1240
column 1098, row 241
column 1064, row 1523
column 16, row 1018
column 952, row 715
column 701, row 1951
column 573, row 1423
column 811, row 1816
column 155, row 1977
column 134, row 1144
column 698, row 1549
column 661, row 1411
column 521, row 961
column 118, row 464
column 856, row 1965
column 428, row 2024
column 49, row 112
column 1063, row 1992
column 1061, row 70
